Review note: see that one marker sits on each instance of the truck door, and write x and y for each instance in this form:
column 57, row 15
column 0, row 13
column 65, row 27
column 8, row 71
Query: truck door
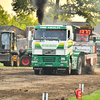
column 69, row 42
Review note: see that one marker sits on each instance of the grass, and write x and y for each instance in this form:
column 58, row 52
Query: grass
column 94, row 96
column 2, row 66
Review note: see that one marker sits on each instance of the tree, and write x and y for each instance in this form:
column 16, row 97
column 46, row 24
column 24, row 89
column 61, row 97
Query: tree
column 22, row 7
column 4, row 17
column 89, row 9
column 23, row 21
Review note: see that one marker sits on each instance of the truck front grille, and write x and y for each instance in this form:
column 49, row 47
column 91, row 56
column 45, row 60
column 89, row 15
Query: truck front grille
column 48, row 59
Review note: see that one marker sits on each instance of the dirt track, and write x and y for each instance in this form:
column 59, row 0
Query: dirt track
column 22, row 84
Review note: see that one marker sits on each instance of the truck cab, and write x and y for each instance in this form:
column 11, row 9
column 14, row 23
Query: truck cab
column 52, row 48
column 8, row 41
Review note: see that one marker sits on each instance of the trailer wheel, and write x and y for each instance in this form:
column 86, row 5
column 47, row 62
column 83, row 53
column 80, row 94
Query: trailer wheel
column 25, row 60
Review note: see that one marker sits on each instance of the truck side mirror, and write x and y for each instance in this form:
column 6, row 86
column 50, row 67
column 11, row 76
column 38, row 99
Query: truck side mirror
column 94, row 39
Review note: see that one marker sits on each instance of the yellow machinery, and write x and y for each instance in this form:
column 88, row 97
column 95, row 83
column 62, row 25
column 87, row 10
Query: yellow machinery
column 8, row 48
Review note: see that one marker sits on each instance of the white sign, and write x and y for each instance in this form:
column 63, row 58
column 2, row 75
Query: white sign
column 84, row 49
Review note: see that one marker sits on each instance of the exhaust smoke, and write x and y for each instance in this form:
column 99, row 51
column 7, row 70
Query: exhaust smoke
column 40, row 9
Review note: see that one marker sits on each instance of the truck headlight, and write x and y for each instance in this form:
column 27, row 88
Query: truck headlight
column 62, row 58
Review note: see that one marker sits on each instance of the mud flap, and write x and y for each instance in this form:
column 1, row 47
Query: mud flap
column 76, row 63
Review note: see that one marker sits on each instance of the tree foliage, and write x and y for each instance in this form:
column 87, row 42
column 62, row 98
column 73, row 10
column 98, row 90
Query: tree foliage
column 22, row 7
column 4, row 17
column 89, row 9
column 23, row 21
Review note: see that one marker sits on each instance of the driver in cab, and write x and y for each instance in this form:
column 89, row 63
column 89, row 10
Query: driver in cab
column 82, row 39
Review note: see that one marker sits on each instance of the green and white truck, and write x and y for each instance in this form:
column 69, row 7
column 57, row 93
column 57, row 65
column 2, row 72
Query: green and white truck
column 52, row 51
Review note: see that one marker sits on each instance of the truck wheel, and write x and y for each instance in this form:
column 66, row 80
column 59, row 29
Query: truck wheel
column 79, row 68
column 25, row 60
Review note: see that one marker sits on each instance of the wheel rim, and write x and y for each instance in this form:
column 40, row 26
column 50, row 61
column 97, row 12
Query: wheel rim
column 25, row 61
column 18, row 61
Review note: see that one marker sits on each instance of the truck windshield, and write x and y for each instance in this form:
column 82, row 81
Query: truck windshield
column 81, row 38
column 5, row 40
column 50, row 34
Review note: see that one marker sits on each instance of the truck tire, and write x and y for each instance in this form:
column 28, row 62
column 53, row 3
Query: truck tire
column 79, row 69
column 25, row 60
